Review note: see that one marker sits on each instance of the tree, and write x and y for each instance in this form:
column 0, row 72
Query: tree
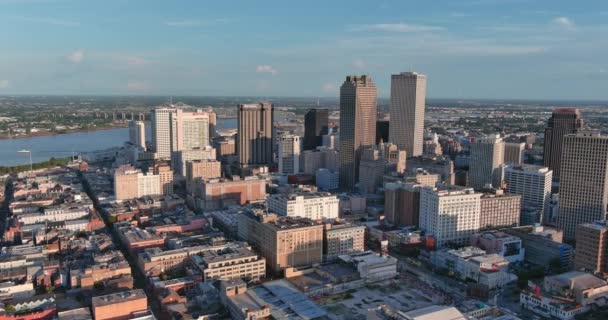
column 10, row 308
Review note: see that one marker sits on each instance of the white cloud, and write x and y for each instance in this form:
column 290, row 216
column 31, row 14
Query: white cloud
column 564, row 22
column 359, row 64
column 76, row 56
column 395, row 27
column 184, row 23
column 329, row 88
column 266, row 69
column 137, row 86
column 4, row 84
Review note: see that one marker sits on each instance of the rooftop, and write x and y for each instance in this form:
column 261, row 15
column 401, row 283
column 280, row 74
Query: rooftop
column 118, row 297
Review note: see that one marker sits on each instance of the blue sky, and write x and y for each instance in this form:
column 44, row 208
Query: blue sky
column 543, row 49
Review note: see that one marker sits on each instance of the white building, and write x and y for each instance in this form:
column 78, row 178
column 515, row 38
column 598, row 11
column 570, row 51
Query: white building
column 137, row 134
column 174, row 129
column 486, row 162
column 161, row 131
column 449, row 213
column 54, row 214
column 312, row 205
column 289, row 154
column 533, row 183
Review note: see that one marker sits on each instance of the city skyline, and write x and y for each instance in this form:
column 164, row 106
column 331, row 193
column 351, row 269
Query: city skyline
column 64, row 47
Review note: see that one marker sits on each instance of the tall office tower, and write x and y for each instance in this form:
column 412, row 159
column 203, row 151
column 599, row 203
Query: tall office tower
column 137, row 134
column 254, row 125
column 402, row 203
column 583, row 194
column 533, row 183
column 315, row 126
column 486, row 163
column 371, row 170
column 408, row 91
column 382, row 128
column 289, row 154
column 449, row 213
column 562, row 122
column 358, row 111
column 212, row 124
column 514, row 152
column 189, row 130
column 161, row 131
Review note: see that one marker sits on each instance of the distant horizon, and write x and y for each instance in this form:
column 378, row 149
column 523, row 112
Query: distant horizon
column 261, row 97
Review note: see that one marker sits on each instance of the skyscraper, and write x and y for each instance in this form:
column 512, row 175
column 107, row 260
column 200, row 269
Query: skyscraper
column 255, row 133
column 289, row 154
column 514, row 152
column 358, row 111
column 486, row 163
column 408, row 92
column 161, row 131
column 583, row 194
column 189, row 130
column 533, row 183
column 315, row 126
column 137, row 133
column 563, row 121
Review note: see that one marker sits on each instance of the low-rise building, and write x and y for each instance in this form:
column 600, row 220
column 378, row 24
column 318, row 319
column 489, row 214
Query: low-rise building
column 215, row 194
column 120, row 306
column 342, row 238
column 232, row 262
column 503, row 244
column 543, row 245
column 471, row 263
column 565, row 296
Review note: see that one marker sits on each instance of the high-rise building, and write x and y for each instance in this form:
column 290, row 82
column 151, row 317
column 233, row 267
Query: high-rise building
column 449, row 213
column 212, row 124
column 174, row 129
column 161, row 131
column 486, row 163
column 311, row 205
column 315, row 126
column 382, row 128
column 255, row 131
column 189, row 130
column 583, row 194
column 562, row 122
column 289, row 154
column 284, row 241
column 165, row 177
column 313, row 160
column 206, row 169
column 592, row 247
column 408, row 94
column 327, row 179
column 499, row 210
column 533, row 183
column 514, row 152
column 137, row 134
column 371, row 170
column 358, row 111
column 402, row 203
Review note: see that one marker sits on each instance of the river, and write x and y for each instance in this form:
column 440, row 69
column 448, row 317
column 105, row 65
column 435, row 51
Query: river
column 63, row 145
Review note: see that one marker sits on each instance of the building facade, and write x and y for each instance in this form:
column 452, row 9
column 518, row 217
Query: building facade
column 311, row 205
column 562, row 122
column 289, row 154
column 358, row 110
column 137, row 134
column 315, row 127
column 402, row 203
column 408, row 99
column 514, row 152
column 255, row 131
column 450, row 214
column 583, row 194
column 487, row 159
column 499, row 210
column 533, row 183
column 592, row 247
column 340, row 239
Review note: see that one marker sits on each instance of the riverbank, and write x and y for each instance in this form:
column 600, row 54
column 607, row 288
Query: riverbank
column 50, row 134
